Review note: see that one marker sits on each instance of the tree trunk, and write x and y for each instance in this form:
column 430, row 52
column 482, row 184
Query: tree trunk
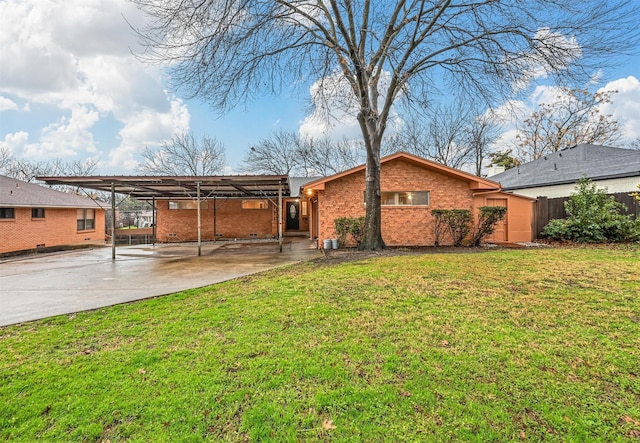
column 373, row 220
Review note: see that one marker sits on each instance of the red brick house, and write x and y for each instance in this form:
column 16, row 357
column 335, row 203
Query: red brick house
column 34, row 217
column 411, row 187
column 221, row 218
column 229, row 218
column 247, row 206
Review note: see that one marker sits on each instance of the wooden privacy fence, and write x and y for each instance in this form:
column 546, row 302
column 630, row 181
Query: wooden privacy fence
column 547, row 209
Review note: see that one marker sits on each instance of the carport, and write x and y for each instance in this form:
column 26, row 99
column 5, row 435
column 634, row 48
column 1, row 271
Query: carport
column 182, row 188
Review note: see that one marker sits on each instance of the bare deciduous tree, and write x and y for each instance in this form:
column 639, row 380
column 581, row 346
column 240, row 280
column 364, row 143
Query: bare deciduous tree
column 441, row 136
column 6, row 158
column 26, row 170
column 185, row 155
column 277, row 154
column 455, row 135
column 481, row 135
column 327, row 157
column 289, row 153
column 227, row 51
column 574, row 118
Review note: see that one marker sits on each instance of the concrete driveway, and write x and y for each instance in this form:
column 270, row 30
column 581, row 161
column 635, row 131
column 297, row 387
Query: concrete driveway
column 46, row 285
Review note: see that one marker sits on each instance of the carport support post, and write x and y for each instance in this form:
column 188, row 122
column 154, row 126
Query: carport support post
column 113, row 221
column 215, row 232
column 153, row 220
column 280, row 215
column 199, row 220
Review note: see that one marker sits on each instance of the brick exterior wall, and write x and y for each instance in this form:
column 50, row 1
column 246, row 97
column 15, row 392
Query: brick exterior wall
column 176, row 225
column 401, row 225
column 58, row 228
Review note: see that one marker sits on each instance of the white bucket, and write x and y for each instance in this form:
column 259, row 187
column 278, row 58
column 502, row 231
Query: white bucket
column 327, row 243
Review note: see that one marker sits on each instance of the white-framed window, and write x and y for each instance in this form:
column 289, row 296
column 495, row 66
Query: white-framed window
column 86, row 219
column 255, row 204
column 405, row 198
column 187, row 204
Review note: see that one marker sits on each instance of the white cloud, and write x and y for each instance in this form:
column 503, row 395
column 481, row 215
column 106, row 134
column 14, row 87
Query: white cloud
column 75, row 56
column 147, row 128
column 625, row 105
column 7, row 104
column 67, row 137
column 15, row 141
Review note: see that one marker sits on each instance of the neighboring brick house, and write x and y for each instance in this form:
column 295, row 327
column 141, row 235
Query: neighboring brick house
column 411, row 187
column 34, row 217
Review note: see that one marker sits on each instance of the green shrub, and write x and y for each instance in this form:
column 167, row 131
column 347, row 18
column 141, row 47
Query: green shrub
column 556, row 229
column 342, row 226
column 593, row 217
column 353, row 226
column 357, row 229
column 456, row 221
column 459, row 224
column 487, row 219
column 439, row 225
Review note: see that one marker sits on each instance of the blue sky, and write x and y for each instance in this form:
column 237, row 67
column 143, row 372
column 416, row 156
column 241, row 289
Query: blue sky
column 70, row 89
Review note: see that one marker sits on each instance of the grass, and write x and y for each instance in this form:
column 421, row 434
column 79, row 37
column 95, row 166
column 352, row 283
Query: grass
column 508, row 345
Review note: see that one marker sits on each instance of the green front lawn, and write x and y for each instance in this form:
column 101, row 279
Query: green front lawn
column 521, row 345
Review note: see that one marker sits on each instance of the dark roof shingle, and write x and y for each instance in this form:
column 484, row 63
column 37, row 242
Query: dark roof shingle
column 571, row 164
column 18, row 193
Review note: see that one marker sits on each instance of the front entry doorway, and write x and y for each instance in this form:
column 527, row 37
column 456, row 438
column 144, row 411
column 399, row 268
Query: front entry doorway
column 293, row 216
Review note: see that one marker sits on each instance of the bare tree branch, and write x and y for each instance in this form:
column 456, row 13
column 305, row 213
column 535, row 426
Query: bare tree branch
column 276, row 154
column 574, row 118
column 288, row 153
column 185, row 155
column 455, row 135
column 6, row 158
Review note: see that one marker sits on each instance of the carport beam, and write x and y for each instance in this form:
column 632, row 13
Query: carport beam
column 113, row 221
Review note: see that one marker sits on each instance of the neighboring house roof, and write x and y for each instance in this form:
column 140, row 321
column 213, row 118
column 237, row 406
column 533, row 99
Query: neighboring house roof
column 475, row 182
column 571, row 164
column 18, row 193
column 295, row 183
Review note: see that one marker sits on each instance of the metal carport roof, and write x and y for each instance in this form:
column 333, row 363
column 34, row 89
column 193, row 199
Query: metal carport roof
column 146, row 187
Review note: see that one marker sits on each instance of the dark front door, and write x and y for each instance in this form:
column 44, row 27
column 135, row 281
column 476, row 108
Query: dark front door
column 293, row 216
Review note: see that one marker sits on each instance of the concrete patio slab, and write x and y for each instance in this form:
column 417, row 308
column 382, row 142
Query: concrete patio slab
column 42, row 286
